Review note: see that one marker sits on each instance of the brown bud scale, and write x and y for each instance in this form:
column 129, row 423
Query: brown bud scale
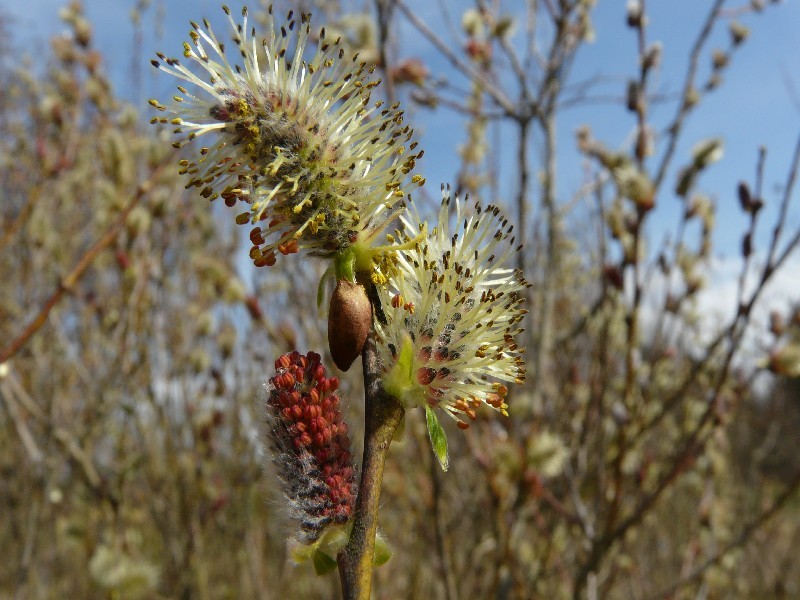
column 349, row 321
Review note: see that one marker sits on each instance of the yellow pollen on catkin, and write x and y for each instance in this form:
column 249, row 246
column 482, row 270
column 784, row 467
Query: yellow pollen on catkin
column 297, row 133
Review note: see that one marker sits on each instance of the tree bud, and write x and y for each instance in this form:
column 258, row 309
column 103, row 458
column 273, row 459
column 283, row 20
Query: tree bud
column 349, row 320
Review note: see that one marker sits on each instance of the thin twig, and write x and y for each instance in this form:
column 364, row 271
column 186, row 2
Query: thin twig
column 516, row 66
column 685, row 106
column 491, row 89
column 383, row 8
column 35, row 454
column 785, row 200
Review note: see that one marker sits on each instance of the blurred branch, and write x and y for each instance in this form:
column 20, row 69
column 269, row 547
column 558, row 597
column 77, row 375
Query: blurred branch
column 580, row 100
column 695, row 440
column 33, row 196
column 516, row 66
column 68, row 282
column 788, row 189
column 35, row 455
column 447, row 19
column 442, row 543
column 740, row 540
column 688, row 85
column 426, row 98
column 490, row 88
column 384, row 9
column 12, row 391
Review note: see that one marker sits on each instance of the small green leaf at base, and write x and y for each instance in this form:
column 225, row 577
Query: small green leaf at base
column 321, row 287
column 344, row 265
column 399, row 381
column 382, row 551
column 322, row 562
column 322, row 553
column 438, row 438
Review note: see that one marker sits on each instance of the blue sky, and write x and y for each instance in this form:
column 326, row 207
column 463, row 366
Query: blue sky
column 754, row 107
column 759, row 103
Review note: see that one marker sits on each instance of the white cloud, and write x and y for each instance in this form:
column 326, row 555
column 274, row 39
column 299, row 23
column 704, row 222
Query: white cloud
column 717, row 304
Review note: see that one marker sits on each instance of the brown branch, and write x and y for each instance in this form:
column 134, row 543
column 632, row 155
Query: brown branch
column 791, row 180
column 69, row 281
column 382, row 416
column 685, row 106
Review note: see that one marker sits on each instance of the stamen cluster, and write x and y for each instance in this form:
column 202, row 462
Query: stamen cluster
column 310, row 444
column 319, row 166
column 453, row 310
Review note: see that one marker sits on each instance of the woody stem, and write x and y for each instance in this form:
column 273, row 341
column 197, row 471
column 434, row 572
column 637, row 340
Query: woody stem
column 382, row 416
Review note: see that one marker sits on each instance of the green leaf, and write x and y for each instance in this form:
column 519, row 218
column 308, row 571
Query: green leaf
column 344, row 265
column 382, row 551
column 323, row 563
column 399, row 380
column 438, row 438
column 321, row 287
column 302, row 552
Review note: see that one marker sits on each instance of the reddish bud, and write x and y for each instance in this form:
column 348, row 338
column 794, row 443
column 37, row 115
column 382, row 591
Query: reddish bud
column 410, row 70
column 479, row 51
column 123, row 259
column 614, row 276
